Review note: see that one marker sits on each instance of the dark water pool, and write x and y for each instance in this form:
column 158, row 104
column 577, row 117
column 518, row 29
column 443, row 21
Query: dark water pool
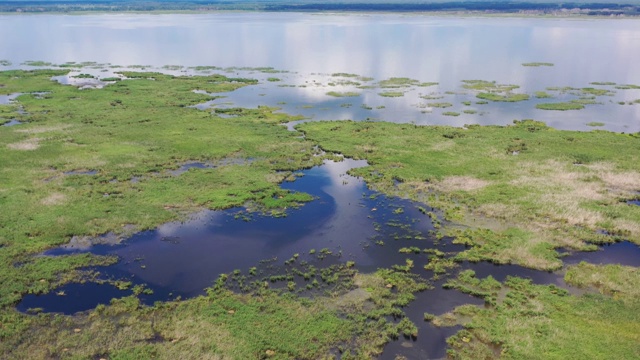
column 12, row 122
column 183, row 258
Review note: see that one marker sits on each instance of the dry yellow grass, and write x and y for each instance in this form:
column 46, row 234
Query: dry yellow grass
column 54, row 199
column 460, row 183
column 25, row 145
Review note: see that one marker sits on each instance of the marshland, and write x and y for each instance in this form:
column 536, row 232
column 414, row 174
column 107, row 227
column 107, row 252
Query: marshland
column 372, row 186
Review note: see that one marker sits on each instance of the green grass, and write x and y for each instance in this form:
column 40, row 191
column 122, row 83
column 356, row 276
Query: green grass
column 620, row 282
column 526, row 321
column 521, row 183
column 451, row 113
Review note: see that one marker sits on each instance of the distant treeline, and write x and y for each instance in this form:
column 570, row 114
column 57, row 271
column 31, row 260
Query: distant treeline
column 492, row 6
column 457, row 6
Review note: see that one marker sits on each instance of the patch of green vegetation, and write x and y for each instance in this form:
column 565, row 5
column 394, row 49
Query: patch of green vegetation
column 521, row 182
column 542, row 95
column 343, row 94
column 431, row 97
column 205, row 68
column 487, row 86
column 469, row 111
column 392, row 94
column 113, row 78
column 402, row 82
column 344, row 75
column 587, row 100
column 36, row 63
column 440, row 104
column 561, row 106
column 173, row 67
column 620, row 282
column 506, row 97
column 451, row 113
column 84, row 76
column 526, row 321
column 604, row 83
column 562, row 89
column 597, row 92
column 490, row 90
column 595, row 123
column 537, row 64
column 273, row 79
column 5, row 63
column 628, row 87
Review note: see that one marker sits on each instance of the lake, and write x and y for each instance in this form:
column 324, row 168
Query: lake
column 310, row 47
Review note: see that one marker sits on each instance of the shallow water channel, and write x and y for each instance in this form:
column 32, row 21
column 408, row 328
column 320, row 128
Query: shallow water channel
column 351, row 221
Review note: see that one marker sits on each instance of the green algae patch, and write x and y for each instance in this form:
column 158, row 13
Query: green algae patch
column 537, row 188
column 526, row 321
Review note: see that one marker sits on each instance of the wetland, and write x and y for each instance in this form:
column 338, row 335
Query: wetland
column 273, row 206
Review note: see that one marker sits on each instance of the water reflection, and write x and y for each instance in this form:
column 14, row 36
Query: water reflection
column 445, row 50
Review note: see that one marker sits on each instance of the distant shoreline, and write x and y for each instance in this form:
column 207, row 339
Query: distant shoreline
column 458, row 8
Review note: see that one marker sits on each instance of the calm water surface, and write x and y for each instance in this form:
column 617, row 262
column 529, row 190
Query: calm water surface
column 445, row 50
